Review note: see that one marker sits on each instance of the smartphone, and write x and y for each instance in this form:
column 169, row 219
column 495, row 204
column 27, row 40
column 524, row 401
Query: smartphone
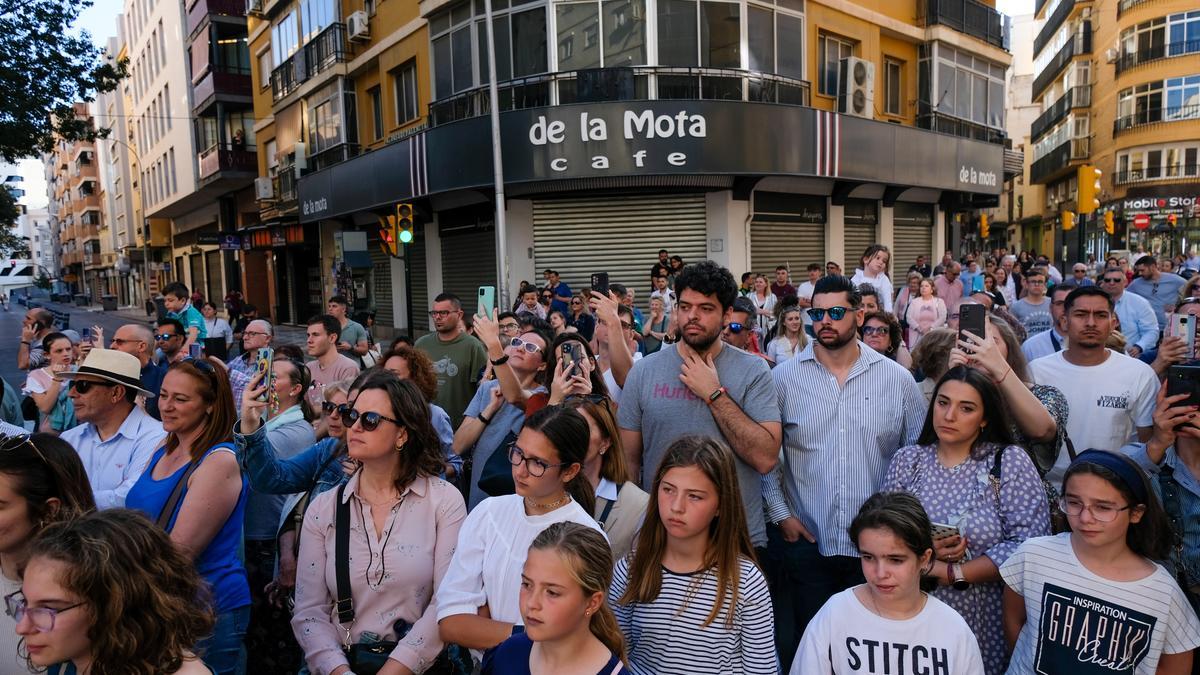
column 86, row 334
column 1183, row 326
column 263, row 365
column 972, row 318
column 1184, row 380
column 487, row 301
column 196, row 351
column 600, row 283
column 572, row 354
column 942, row 530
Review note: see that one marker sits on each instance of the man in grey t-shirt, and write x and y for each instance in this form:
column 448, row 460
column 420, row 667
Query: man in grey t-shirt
column 703, row 386
column 1033, row 310
column 1160, row 289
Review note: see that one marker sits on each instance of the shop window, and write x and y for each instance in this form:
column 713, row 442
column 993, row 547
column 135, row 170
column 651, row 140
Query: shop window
column 830, row 51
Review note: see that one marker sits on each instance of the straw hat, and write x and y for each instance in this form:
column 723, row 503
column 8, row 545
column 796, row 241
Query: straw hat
column 112, row 365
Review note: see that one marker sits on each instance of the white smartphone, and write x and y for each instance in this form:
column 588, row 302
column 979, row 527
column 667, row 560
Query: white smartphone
column 1183, row 326
column 942, row 530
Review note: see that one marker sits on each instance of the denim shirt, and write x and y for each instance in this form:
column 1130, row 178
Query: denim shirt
column 269, row 474
column 1185, row 524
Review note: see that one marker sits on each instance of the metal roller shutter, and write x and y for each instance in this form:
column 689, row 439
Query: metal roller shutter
column 620, row 235
column 913, row 232
column 787, row 230
column 468, row 262
column 861, row 219
column 420, row 281
column 380, row 291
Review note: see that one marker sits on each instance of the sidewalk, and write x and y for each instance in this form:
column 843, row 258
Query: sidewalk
column 296, row 335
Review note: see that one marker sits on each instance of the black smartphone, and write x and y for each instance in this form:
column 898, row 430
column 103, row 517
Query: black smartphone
column 972, row 318
column 600, row 283
column 86, row 334
column 1184, row 380
column 572, row 354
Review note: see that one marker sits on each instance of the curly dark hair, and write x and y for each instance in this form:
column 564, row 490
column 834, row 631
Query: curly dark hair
column 420, row 369
column 149, row 606
column 890, row 321
column 708, row 278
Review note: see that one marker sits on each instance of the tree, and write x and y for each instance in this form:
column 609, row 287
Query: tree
column 43, row 70
column 10, row 242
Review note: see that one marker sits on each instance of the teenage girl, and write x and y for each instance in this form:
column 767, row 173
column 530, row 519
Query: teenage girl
column 690, row 598
column 889, row 619
column 1093, row 600
column 569, row 628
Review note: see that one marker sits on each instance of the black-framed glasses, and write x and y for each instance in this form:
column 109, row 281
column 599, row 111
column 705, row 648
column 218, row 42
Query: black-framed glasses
column 329, row 407
column 254, row 332
column 42, row 618
column 528, row 346
column 735, row 327
column 163, row 337
column 370, row 420
column 536, row 467
column 1111, row 280
column 510, row 327
column 84, row 386
column 441, row 312
column 877, row 330
column 835, row 313
column 1104, row 513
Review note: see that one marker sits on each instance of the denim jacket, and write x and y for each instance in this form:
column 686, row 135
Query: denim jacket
column 311, row 469
column 1179, row 491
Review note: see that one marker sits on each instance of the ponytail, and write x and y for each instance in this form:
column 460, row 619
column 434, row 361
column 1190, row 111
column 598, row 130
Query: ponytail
column 604, row 627
column 569, row 433
column 582, row 492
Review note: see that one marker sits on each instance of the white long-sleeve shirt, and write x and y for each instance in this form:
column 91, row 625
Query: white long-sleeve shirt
column 114, row 465
column 882, row 284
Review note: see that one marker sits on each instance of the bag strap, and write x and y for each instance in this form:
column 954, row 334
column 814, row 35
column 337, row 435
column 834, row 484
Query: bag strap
column 608, row 508
column 994, row 474
column 168, row 510
column 341, row 555
column 1070, row 446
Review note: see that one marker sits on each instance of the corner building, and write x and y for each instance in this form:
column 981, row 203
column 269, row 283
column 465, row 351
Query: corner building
column 709, row 128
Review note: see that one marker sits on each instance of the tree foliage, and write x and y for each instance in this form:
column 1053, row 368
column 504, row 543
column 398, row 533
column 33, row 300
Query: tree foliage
column 43, row 70
column 10, row 242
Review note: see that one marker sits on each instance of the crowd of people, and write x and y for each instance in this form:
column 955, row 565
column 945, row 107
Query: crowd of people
column 829, row 477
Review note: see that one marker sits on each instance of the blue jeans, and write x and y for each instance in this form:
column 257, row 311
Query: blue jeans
column 225, row 650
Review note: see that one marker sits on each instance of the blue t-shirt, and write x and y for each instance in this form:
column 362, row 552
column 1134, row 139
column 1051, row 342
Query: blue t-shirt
column 565, row 291
column 191, row 317
column 511, row 657
column 221, row 562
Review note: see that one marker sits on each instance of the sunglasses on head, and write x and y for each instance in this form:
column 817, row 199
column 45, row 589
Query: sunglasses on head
column 835, row 313
column 9, row 443
column 84, row 386
column 370, row 420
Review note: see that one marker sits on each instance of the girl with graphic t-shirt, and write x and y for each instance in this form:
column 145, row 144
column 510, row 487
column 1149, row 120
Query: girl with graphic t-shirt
column 569, row 628
column 1093, row 600
column 889, row 625
column 690, row 599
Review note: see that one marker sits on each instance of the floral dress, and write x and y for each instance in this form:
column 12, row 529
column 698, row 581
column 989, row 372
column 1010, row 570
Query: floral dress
column 994, row 522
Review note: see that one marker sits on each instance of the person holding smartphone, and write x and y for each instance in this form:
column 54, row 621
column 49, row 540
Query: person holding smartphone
column 969, row 475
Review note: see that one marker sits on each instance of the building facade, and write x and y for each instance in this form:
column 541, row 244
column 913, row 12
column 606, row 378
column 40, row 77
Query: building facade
column 34, row 226
column 73, row 189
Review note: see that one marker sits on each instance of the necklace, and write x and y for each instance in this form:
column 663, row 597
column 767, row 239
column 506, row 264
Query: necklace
column 387, row 535
column 548, row 505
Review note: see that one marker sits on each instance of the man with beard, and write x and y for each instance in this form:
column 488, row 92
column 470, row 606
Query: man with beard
column 698, row 386
column 1108, row 394
column 846, row 410
column 458, row 358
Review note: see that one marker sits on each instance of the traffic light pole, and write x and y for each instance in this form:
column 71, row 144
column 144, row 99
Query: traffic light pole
column 497, row 165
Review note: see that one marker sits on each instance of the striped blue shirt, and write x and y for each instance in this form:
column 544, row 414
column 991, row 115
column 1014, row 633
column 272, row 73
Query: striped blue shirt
column 838, row 440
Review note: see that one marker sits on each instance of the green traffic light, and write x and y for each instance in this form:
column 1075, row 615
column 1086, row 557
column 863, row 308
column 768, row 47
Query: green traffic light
column 406, row 236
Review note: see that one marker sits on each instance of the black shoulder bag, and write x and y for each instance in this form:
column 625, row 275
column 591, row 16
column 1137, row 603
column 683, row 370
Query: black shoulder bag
column 168, row 510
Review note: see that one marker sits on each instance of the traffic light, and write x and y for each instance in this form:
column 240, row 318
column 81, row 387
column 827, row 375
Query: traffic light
column 1089, row 188
column 1109, row 226
column 983, row 226
column 404, row 223
column 387, row 235
column 1068, row 221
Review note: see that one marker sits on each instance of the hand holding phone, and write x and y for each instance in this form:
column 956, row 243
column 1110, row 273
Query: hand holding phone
column 262, row 365
column 972, row 318
column 487, row 301
column 572, row 354
column 942, row 530
column 600, row 283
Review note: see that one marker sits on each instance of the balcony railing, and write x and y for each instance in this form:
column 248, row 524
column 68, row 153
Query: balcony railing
column 1075, row 97
column 955, row 126
column 220, row 82
column 1052, row 164
column 1159, row 173
column 1159, row 115
column 624, row 84
column 227, row 158
column 202, row 8
column 1053, row 23
column 1157, row 52
column 334, row 155
column 317, row 55
column 966, row 16
column 1126, row 5
column 1080, row 43
column 1038, row 5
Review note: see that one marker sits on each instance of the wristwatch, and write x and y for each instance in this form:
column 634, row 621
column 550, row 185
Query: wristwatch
column 960, row 581
column 716, row 395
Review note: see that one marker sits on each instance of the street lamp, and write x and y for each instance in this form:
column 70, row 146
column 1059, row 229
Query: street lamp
column 145, row 218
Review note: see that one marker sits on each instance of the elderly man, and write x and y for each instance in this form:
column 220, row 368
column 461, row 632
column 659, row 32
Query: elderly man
column 138, row 341
column 257, row 335
column 1138, row 323
column 115, row 438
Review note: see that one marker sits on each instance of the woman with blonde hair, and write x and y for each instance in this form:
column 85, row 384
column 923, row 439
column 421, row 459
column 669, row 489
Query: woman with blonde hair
column 791, row 339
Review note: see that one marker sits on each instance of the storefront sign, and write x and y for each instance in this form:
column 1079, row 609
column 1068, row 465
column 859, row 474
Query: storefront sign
column 277, row 237
column 1161, row 207
column 230, row 242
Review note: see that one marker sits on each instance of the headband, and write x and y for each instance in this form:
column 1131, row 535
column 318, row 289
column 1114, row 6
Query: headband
column 1115, row 463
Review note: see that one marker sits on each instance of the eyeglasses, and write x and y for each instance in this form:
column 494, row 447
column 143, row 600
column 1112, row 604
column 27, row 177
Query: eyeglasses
column 510, row 327
column 877, row 330
column 1111, row 280
column 120, row 341
column 1104, row 513
column 536, row 467
column 626, row 325
column 835, row 313
column 254, row 332
column 370, row 420
column 735, row 327
column 84, row 386
column 333, row 409
column 163, row 337
column 441, row 312
column 529, row 347
column 42, row 618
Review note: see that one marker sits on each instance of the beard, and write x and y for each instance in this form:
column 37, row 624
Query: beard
column 700, row 342
column 835, row 341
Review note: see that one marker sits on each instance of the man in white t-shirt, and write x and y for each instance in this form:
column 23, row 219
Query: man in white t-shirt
column 1109, row 394
column 805, row 292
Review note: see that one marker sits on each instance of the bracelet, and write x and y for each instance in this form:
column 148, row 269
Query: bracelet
column 500, row 361
column 485, row 419
column 1005, row 377
column 716, row 395
column 26, row 343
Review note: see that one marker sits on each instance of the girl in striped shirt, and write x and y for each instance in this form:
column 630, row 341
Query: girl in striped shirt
column 690, row 598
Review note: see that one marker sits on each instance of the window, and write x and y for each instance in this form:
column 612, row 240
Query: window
column 404, row 81
column 325, row 119
column 174, row 185
column 285, row 39
column 458, row 43
column 316, row 16
column 265, row 66
column 1183, row 98
column 376, row 97
column 1156, row 162
column 969, row 87
column 167, row 105
column 830, row 51
column 1183, row 32
column 893, row 95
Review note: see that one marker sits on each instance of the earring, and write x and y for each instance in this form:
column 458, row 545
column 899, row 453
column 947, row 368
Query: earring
column 587, row 612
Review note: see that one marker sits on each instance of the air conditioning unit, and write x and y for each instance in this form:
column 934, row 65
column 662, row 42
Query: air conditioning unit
column 1111, row 55
column 264, row 188
column 254, row 7
column 357, row 25
column 856, row 87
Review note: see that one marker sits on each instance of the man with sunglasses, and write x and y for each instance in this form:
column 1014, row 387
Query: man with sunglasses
column 458, row 358
column 169, row 340
column 846, row 409
column 739, row 332
column 138, row 341
column 1138, row 323
column 115, row 438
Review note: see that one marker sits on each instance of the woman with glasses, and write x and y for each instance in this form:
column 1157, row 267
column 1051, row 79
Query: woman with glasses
column 581, row 318
column 881, row 332
column 982, row 493
column 925, row 312
column 1062, row 591
column 478, row 599
column 407, row 363
column 194, row 489
column 791, row 338
column 42, row 482
column 57, row 412
column 400, row 525
column 107, row 592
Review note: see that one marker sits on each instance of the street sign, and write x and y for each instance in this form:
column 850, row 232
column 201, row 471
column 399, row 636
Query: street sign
column 231, row 242
column 1141, row 221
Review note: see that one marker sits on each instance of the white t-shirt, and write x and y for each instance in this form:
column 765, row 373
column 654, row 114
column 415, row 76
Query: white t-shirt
column 614, row 390
column 882, row 284
column 1106, row 402
column 805, row 290
column 845, row 638
column 1080, row 623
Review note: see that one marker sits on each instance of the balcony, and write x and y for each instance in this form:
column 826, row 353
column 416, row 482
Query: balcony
column 334, row 155
column 217, row 159
column 1080, row 43
column 201, row 9
column 316, row 56
column 1076, row 97
column 1038, row 5
column 1058, row 160
column 970, row 17
column 89, row 232
column 1126, row 5
column 1053, row 23
column 624, row 84
column 955, row 126
column 1172, row 172
column 1156, row 53
column 1152, row 116
column 230, row 85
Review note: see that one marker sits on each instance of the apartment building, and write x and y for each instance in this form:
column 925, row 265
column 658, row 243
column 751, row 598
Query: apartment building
column 34, row 226
column 73, row 190
column 1119, row 85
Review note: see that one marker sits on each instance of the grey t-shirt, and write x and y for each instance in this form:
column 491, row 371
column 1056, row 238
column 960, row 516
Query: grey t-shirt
column 1035, row 318
column 352, row 333
column 1159, row 293
column 662, row 408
